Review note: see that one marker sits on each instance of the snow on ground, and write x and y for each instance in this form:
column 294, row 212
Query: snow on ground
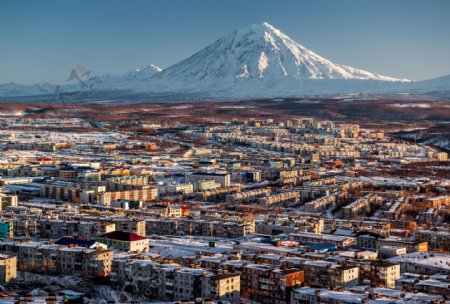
column 16, row 113
column 181, row 107
column 174, row 247
column 411, row 105
column 237, row 107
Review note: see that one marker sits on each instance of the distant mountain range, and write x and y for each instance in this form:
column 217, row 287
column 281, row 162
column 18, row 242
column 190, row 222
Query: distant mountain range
column 257, row 61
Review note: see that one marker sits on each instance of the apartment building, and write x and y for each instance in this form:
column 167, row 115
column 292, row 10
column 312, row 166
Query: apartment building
column 54, row 229
column 187, row 283
column 307, row 295
column 437, row 240
column 224, row 179
column 280, row 198
column 248, row 196
column 130, row 225
column 222, row 287
column 24, row 226
column 75, row 192
column 167, row 211
column 8, row 268
column 368, row 241
column 429, row 216
column 145, row 195
column 314, row 238
column 173, row 282
column 90, row 263
column 216, row 194
column 185, row 188
column 122, row 183
column 226, row 228
column 162, row 226
column 395, row 209
column 268, row 284
column 386, row 252
column 246, row 176
column 432, row 202
column 66, row 260
column 314, row 225
column 206, row 185
column 329, row 274
column 127, row 204
column 441, row 156
column 435, row 285
column 360, row 206
column 423, row 263
column 410, row 245
column 321, row 204
column 378, row 273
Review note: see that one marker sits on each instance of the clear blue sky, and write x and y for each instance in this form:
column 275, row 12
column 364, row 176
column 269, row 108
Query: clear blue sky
column 42, row 40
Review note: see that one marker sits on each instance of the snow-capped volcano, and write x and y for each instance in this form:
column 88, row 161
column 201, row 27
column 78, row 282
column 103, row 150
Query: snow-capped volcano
column 257, row 61
column 259, row 51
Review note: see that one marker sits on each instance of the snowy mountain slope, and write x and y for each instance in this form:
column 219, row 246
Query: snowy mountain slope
column 261, row 61
column 258, row 52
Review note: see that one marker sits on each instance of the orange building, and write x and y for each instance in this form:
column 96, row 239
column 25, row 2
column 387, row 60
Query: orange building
column 151, row 147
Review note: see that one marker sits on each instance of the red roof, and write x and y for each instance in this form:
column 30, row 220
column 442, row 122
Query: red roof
column 123, row 236
column 44, row 158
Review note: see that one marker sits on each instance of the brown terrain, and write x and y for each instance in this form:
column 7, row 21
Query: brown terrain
column 428, row 118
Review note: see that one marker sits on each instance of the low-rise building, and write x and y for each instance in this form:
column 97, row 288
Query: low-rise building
column 124, row 241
